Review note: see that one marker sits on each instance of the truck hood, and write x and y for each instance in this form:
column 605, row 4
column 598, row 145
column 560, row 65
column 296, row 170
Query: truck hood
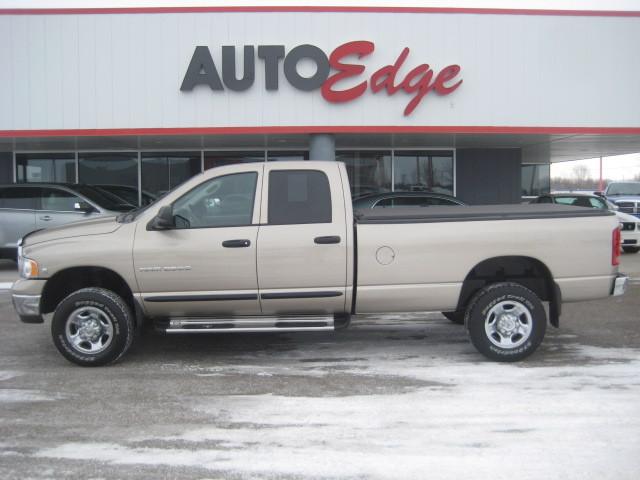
column 625, row 217
column 623, row 198
column 94, row 226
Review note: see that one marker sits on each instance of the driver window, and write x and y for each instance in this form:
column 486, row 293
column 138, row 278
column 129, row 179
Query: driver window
column 225, row 201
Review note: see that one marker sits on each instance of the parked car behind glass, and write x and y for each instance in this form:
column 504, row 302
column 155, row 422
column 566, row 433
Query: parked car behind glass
column 127, row 193
column 405, row 199
column 629, row 224
column 28, row 207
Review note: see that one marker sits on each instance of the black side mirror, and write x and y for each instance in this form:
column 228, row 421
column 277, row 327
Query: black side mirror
column 164, row 220
column 83, row 207
column 600, row 194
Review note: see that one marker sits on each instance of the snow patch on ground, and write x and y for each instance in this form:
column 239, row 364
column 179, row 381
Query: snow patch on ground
column 10, row 395
column 8, row 375
column 492, row 421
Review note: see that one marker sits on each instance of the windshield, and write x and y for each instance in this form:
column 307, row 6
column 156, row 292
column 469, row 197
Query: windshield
column 631, row 188
column 103, row 199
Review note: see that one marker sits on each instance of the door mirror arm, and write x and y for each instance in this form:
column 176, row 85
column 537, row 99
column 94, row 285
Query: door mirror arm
column 164, row 220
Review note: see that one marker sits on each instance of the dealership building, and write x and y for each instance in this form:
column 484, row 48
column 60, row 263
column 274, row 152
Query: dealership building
column 474, row 103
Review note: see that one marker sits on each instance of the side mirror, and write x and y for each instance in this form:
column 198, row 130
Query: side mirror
column 599, row 193
column 164, row 220
column 83, row 207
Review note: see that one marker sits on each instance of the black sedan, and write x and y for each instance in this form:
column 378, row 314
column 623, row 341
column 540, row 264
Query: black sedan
column 405, row 199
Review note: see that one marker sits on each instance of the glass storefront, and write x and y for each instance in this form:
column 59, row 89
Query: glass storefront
column 536, row 179
column 369, row 171
column 375, row 171
column 46, row 167
column 219, row 159
column 287, row 155
column 423, row 171
column 162, row 172
column 117, row 173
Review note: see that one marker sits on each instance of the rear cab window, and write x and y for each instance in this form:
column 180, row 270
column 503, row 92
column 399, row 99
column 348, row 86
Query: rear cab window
column 299, row 197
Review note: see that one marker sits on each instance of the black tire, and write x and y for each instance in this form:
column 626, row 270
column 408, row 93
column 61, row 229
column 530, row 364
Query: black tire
column 521, row 311
column 113, row 319
column 631, row 249
column 455, row 317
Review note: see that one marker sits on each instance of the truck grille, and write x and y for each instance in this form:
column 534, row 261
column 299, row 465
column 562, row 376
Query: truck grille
column 628, row 207
column 628, row 226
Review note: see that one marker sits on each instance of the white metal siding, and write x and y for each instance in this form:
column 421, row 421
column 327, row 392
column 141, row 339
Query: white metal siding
column 125, row 70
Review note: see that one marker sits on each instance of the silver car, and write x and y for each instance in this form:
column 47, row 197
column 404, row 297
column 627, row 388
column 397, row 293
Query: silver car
column 28, row 207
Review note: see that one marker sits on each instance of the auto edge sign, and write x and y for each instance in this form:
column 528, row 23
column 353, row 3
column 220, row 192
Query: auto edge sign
column 330, row 72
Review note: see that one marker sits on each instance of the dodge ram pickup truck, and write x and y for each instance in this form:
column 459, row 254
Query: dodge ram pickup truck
column 277, row 247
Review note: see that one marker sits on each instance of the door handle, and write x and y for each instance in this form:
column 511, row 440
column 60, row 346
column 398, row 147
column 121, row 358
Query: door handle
column 46, row 218
column 236, row 243
column 327, row 240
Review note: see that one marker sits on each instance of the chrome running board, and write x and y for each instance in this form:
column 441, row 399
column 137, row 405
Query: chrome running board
column 248, row 324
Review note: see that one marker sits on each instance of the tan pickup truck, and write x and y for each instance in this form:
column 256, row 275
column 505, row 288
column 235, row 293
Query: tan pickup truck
column 277, row 247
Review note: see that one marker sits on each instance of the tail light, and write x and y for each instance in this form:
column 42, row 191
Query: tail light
column 615, row 247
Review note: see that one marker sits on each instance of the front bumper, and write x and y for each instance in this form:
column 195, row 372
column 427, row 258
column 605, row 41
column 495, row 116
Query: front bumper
column 620, row 284
column 26, row 295
column 28, row 308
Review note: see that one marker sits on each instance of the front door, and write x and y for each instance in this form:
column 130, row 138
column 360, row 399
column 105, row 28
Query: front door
column 206, row 266
column 302, row 244
column 57, row 207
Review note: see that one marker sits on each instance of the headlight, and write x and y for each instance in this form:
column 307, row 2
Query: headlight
column 28, row 268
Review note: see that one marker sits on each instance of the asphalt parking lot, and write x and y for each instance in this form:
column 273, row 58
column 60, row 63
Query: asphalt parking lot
column 403, row 396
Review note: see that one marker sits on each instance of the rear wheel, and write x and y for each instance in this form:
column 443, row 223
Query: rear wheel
column 92, row 327
column 506, row 321
column 455, row 317
column 631, row 249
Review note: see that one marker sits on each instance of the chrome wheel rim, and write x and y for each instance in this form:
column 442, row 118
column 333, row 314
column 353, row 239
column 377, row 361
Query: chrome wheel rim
column 89, row 330
column 508, row 324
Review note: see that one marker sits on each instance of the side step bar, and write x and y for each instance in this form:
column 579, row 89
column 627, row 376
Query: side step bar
column 252, row 324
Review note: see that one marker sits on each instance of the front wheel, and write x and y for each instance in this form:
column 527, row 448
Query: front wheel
column 631, row 249
column 506, row 321
column 92, row 327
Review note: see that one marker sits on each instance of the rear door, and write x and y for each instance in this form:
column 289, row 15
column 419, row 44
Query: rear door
column 17, row 210
column 302, row 242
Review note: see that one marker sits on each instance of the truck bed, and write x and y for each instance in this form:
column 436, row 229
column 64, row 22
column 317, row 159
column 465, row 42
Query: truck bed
column 414, row 259
column 459, row 213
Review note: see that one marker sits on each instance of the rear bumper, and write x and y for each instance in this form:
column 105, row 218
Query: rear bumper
column 620, row 284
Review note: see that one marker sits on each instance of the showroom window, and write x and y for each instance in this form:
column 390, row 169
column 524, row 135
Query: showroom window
column 536, row 180
column 369, row 170
column 116, row 173
column 423, row 171
column 162, row 172
column 287, row 155
column 219, row 159
column 47, row 167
